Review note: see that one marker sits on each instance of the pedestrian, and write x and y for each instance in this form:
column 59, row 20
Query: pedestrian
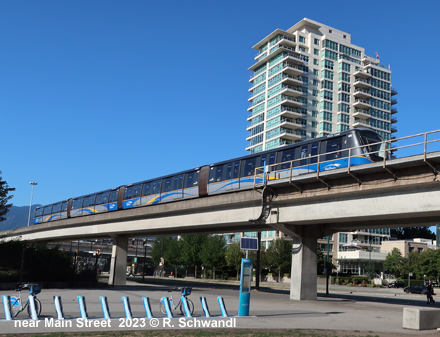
column 429, row 293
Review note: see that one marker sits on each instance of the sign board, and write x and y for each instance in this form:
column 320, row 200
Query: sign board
column 249, row 243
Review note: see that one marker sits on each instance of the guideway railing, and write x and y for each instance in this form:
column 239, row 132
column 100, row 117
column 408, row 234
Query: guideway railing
column 418, row 144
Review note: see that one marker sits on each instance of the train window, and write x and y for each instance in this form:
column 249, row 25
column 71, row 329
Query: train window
column 167, row 184
column 137, row 190
column 303, row 155
column 64, row 206
column 77, row 203
column 178, row 182
column 47, row 210
column 286, row 157
column 216, row 173
column 314, row 153
column 39, row 211
column 232, row 170
column 114, row 195
column 89, row 201
column 146, row 189
column 334, row 145
column 102, row 198
column 56, row 208
column 133, row 191
column 191, row 179
column 377, row 150
column 248, row 168
column 155, row 187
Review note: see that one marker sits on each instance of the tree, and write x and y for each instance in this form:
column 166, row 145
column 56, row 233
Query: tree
column 191, row 248
column 159, row 248
column 403, row 233
column 213, row 253
column 412, row 265
column 172, row 254
column 233, row 256
column 394, row 262
column 320, row 261
column 4, row 198
column 279, row 256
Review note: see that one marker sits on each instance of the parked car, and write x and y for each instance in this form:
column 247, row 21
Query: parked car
column 417, row 289
column 396, row 284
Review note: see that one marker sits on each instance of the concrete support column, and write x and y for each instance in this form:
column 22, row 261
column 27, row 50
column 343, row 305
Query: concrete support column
column 118, row 263
column 303, row 283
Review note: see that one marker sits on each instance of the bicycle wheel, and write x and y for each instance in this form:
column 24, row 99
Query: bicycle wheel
column 15, row 306
column 37, row 307
column 190, row 307
column 162, row 307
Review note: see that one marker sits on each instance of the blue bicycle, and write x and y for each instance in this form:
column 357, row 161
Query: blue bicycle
column 17, row 304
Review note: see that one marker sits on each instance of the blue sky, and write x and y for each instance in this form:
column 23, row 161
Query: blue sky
column 97, row 94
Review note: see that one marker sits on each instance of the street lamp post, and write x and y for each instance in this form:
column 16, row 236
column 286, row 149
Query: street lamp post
column 33, row 183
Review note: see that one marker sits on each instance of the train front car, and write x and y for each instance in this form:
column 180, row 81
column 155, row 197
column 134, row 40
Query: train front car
column 373, row 146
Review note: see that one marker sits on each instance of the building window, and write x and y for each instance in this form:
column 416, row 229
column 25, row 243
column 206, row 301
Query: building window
column 316, row 51
column 317, row 42
column 343, row 237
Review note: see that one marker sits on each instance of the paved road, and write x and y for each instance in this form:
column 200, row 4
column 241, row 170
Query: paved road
column 362, row 309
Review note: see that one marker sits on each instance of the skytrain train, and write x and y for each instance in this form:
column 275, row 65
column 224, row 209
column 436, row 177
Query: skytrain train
column 352, row 147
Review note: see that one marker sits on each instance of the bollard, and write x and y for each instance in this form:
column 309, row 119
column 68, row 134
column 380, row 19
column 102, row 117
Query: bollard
column 147, row 307
column 166, row 303
column 205, row 307
column 127, row 308
column 82, row 307
column 222, row 306
column 185, row 307
column 34, row 314
column 105, row 309
column 58, row 307
column 7, row 306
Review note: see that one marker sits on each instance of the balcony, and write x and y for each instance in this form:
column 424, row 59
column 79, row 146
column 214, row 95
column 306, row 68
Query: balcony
column 361, row 93
column 293, row 57
column 361, row 104
column 362, row 83
column 393, row 111
column 393, row 101
column 288, row 79
column 292, row 102
column 290, row 112
column 393, row 129
column 361, row 114
column 291, row 91
column 292, row 124
column 359, row 123
column 393, row 120
column 291, row 69
column 362, row 73
column 251, row 106
column 393, row 91
column 361, row 255
column 261, row 56
column 289, row 134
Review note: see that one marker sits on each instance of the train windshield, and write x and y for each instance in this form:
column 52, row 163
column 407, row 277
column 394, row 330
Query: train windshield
column 375, row 147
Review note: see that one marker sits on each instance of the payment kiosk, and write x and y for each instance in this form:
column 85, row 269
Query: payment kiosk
column 245, row 287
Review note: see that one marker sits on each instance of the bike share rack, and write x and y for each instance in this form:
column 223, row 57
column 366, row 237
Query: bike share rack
column 106, row 310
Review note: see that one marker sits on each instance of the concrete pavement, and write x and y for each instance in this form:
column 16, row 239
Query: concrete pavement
column 369, row 310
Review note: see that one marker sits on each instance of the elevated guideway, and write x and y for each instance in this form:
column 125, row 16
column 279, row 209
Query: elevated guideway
column 394, row 192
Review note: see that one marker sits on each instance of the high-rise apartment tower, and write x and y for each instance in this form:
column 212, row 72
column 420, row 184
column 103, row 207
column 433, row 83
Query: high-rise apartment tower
column 310, row 81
